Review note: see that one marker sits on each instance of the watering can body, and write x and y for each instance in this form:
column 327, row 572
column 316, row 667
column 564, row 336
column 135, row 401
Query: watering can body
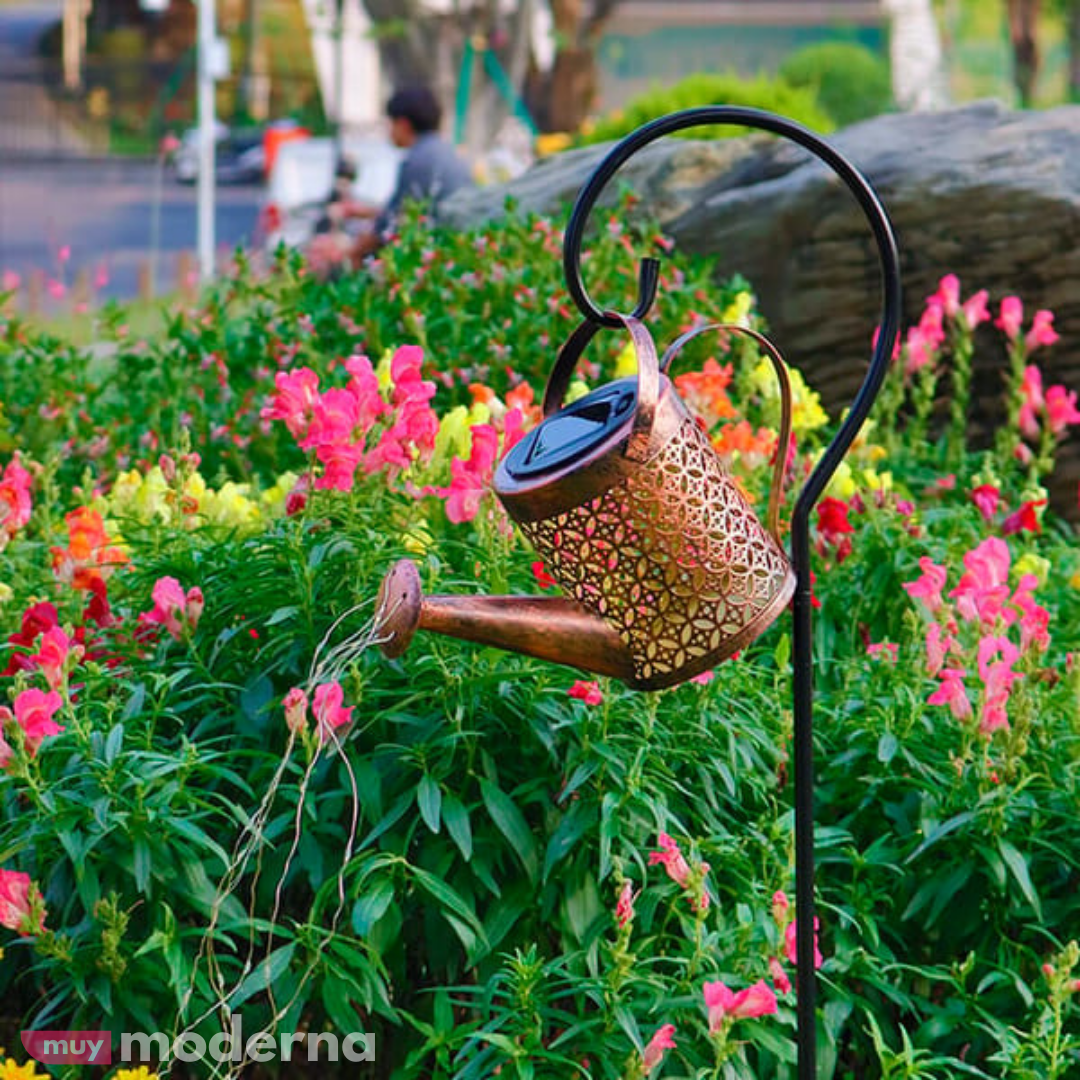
column 665, row 567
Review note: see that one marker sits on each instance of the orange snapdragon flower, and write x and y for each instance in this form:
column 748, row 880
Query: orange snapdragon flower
column 87, row 559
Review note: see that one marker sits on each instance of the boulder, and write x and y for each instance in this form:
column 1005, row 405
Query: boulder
column 987, row 193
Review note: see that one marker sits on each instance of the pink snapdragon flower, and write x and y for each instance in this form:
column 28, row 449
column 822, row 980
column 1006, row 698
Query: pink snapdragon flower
column 886, row 650
column 672, row 859
column 661, row 1042
column 987, row 498
column 1034, row 619
column 947, row 296
column 33, row 712
column 938, row 646
column 1032, row 403
column 974, row 309
column 791, row 934
column 724, row 1003
column 1061, row 411
column 330, row 714
column 779, row 976
column 15, row 503
column 1011, row 317
column 928, row 586
column 996, row 658
column 469, row 479
column 56, row 653
column 983, row 587
column 624, row 909
column 1042, row 331
column 296, row 710
column 953, row 693
column 293, row 400
column 174, row 609
column 20, row 907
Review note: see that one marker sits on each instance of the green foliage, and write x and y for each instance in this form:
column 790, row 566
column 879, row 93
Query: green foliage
column 772, row 94
column 849, row 81
column 444, row 870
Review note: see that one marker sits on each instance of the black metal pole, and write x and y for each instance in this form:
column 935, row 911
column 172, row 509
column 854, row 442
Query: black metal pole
column 802, row 629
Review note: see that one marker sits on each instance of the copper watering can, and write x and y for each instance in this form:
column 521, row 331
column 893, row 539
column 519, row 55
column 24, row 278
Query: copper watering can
column 666, row 568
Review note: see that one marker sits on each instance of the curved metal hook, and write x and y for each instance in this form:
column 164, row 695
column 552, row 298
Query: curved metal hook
column 649, row 273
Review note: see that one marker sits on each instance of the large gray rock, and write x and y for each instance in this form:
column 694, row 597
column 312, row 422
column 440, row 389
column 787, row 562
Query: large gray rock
column 988, row 194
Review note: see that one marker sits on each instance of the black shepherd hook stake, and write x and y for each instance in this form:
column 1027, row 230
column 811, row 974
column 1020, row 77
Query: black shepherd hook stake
column 802, row 644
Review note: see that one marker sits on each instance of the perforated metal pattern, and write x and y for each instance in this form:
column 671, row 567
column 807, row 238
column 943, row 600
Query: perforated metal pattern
column 673, row 557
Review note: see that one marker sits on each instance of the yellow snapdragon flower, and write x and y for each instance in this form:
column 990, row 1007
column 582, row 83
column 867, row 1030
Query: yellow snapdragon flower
column 382, row 372
column 806, row 411
column 6, row 593
column 1030, row 563
column 272, row 500
column 229, row 506
column 738, row 311
column 842, row 484
column 141, row 1073
column 577, row 389
column 626, row 362
column 872, row 480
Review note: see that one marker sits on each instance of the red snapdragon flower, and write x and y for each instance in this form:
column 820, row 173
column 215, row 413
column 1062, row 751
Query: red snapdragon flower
column 588, row 692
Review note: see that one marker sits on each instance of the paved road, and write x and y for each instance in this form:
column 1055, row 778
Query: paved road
column 102, row 210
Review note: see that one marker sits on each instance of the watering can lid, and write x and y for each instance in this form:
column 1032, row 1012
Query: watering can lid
column 574, row 432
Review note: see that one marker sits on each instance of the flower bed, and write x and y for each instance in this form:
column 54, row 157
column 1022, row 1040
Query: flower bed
column 218, row 796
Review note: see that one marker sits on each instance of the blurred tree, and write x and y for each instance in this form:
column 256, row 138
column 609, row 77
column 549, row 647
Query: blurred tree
column 1070, row 12
column 1023, row 23
column 425, row 40
column 919, row 77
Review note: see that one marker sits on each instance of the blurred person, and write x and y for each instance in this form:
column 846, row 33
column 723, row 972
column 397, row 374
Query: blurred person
column 430, row 170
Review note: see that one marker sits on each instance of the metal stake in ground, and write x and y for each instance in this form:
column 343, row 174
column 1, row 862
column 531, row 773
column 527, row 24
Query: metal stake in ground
column 802, row 641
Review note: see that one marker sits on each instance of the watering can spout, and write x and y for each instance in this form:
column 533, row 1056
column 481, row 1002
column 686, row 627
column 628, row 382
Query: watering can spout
column 545, row 627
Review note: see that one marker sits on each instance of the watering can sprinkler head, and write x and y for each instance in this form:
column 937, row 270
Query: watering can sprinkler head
column 666, row 569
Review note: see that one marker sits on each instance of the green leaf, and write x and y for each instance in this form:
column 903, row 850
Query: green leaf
column 429, row 800
column 113, row 743
column 371, row 907
column 457, row 824
column 267, row 972
column 583, row 906
column 1017, row 865
column 141, row 864
column 572, row 827
column 887, row 746
column 255, row 698
column 511, row 823
column 135, row 703
column 939, row 831
column 449, row 898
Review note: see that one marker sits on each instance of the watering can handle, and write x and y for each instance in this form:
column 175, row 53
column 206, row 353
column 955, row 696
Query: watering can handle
column 783, row 442
column 648, row 378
